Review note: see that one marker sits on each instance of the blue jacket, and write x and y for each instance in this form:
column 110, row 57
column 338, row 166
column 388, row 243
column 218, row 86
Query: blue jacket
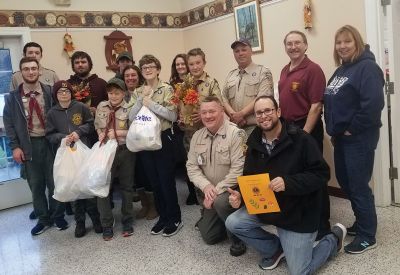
column 354, row 98
column 15, row 121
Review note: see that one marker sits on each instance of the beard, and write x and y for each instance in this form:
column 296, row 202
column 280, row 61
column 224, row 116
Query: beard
column 29, row 81
column 82, row 74
column 273, row 125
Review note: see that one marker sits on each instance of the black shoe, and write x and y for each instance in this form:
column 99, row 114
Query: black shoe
column 352, row 230
column 127, row 230
column 238, row 248
column 158, row 228
column 39, row 228
column 192, row 199
column 61, row 224
column 358, row 246
column 108, row 233
column 32, row 215
column 97, row 227
column 172, row 229
column 80, row 230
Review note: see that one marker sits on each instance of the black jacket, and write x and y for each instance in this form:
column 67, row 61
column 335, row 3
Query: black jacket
column 15, row 122
column 297, row 159
column 61, row 122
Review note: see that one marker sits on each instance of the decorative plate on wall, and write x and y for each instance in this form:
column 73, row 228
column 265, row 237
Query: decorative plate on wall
column 3, row 19
column 30, row 19
column 98, row 20
column 73, row 19
column 51, row 19
column 61, row 20
column 124, row 20
column 170, row 20
column 116, row 19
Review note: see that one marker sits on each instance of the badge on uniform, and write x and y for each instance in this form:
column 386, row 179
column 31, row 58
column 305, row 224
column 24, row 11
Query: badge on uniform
column 121, row 124
column 24, row 100
column 294, row 87
column 200, row 160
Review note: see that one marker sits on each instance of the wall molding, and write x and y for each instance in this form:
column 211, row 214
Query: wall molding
column 100, row 19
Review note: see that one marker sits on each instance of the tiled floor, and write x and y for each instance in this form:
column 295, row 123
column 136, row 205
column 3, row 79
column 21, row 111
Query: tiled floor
column 59, row 252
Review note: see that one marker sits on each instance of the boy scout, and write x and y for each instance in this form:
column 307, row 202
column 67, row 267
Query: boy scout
column 243, row 85
column 111, row 122
column 215, row 160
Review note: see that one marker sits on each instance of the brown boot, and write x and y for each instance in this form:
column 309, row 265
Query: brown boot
column 152, row 213
column 145, row 205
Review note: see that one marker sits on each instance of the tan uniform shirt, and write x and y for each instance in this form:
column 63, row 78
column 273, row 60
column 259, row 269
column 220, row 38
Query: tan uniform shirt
column 37, row 129
column 46, row 76
column 102, row 118
column 162, row 95
column 241, row 89
column 217, row 159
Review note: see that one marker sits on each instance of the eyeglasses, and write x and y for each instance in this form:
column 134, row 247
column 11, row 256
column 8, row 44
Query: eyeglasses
column 266, row 112
column 151, row 67
column 27, row 69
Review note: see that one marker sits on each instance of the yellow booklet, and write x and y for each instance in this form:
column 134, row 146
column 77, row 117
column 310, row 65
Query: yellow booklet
column 257, row 195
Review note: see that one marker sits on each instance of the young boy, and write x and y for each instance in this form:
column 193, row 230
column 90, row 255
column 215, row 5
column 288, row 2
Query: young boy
column 72, row 120
column 111, row 122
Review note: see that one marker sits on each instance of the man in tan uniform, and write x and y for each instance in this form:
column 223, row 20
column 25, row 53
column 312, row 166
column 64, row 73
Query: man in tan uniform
column 215, row 160
column 243, row 85
column 46, row 76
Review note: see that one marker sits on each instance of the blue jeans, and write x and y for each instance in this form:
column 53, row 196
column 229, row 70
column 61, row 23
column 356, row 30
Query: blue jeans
column 300, row 255
column 354, row 161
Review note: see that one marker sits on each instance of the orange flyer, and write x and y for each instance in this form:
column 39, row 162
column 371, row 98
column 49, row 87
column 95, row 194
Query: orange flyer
column 257, row 196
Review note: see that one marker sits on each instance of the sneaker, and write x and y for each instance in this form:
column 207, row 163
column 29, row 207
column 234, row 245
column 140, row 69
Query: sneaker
column 32, row 215
column 80, row 230
column 340, row 233
column 157, row 228
column 358, row 246
column 97, row 227
column 271, row 263
column 127, row 230
column 39, row 229
column 352, row 230
column 61, row 224
column 238, row 248
column 108, row 233
column 172, row 229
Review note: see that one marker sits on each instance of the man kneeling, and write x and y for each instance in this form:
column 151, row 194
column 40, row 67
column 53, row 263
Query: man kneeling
column 298, row 173
column 215, row 160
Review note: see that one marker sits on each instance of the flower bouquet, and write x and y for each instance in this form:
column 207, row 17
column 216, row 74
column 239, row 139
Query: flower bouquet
column 82, row 92
column 186, row 97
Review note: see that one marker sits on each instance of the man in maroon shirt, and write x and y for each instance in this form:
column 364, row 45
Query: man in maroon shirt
column 301, row 89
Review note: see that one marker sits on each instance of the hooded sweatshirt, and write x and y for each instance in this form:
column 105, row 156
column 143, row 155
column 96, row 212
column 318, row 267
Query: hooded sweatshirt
column 61, row 122
column 354, row 99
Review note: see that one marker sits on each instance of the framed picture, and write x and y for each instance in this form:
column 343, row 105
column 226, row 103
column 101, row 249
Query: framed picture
column 248, row 24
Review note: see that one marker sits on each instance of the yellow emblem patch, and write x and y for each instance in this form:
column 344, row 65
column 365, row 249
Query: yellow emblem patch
column 295, row 86
column 77, row 119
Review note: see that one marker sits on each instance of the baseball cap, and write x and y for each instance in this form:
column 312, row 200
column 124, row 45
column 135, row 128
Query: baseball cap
column 126, row 55
column 116, row 82
column 242, row 41
column 62, row 84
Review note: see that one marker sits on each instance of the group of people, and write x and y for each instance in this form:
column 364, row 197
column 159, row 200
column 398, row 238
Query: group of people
column 238, row 130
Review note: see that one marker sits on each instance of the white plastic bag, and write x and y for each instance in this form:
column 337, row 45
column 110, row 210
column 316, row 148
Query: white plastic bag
column 95, row 173
column 145, row 132
column 66, row 166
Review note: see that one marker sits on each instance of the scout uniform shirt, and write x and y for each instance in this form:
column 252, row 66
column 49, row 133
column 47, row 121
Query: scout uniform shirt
column 46, row 76
column 162, row 95
column 242, row 87
column 103, row 118
column 217, row 159
column 37, row 128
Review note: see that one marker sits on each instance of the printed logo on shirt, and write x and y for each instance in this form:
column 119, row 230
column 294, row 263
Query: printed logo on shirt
column 77, row 119
column 143, row 118
column 294, row 86
column 335, row 85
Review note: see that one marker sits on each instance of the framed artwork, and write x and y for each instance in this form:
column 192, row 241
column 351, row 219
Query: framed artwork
column 116, row 43
column 248, row 24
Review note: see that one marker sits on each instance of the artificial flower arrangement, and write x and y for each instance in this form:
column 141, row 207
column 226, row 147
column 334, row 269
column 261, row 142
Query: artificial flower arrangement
column 82, row 92
column 186, row 97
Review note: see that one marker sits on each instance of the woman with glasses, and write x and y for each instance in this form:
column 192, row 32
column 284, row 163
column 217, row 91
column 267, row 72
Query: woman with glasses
column 159, row 164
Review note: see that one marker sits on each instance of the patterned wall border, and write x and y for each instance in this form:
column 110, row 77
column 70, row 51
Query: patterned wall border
column 92, row 19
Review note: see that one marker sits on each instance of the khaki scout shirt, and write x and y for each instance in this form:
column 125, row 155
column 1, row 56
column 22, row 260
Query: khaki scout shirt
column 239, row 91
column 217, row 159
column 121, row 118
column 37, row 128
column 208, row 87
column 46, row 76
column 162, row 95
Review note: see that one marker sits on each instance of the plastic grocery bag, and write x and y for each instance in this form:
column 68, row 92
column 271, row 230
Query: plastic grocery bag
column 66, row 166
column 94, row 177
column 145, row 132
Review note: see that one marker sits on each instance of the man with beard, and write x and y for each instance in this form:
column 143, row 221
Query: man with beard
column 24, row 119
column 298, row 172
column 301, row 90
column 243, row 85
column 88, row 88
column 46, row 76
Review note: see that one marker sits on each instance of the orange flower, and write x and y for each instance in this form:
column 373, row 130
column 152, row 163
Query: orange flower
column 191, row 97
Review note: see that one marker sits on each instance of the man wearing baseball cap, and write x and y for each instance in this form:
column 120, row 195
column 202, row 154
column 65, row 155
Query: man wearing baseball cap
column 124, row 59
column 243, row 85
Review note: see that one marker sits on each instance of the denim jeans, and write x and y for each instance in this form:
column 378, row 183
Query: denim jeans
column 39, row 174
column 300, row 255
column 354, row 161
